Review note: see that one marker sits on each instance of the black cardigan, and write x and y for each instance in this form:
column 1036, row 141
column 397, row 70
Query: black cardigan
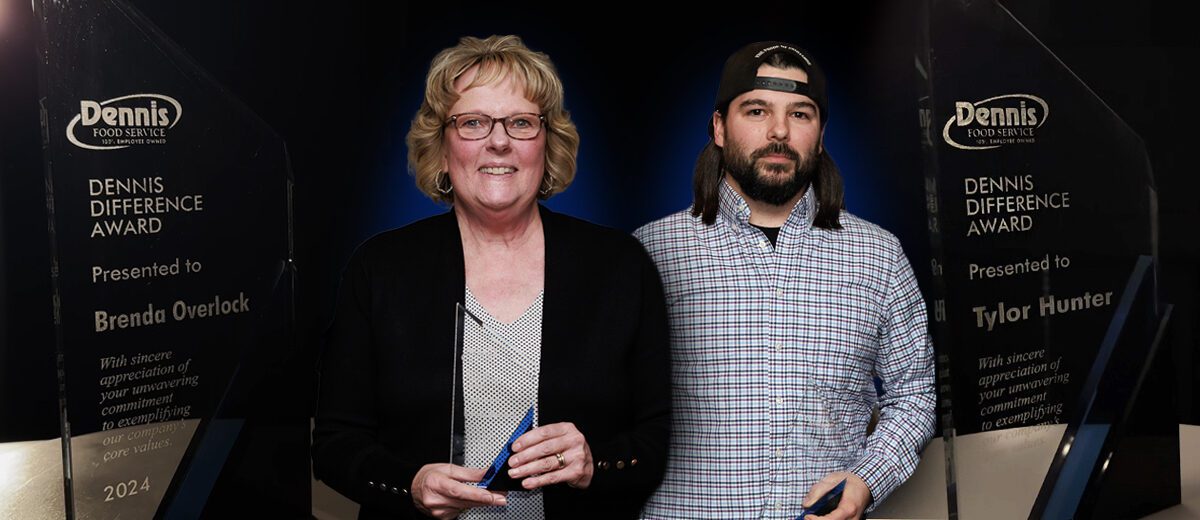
column 384, row 405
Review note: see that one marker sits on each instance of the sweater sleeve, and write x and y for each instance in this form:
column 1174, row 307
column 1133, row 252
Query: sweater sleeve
column 631, row 465
column 346, row 453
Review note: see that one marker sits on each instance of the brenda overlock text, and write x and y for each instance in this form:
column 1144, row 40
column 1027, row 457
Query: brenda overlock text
column 180, row 311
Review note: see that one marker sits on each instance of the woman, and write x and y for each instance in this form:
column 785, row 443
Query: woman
column 577, row 307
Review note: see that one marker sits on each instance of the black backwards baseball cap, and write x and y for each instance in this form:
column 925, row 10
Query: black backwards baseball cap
column 741, row 75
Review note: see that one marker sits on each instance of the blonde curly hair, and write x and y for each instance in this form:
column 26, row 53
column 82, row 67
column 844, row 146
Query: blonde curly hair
column 498, row 57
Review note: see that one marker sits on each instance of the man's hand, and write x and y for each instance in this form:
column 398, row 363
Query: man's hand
column 855, row 496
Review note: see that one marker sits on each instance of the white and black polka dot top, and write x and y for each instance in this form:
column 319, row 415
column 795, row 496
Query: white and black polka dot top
column 501, row 363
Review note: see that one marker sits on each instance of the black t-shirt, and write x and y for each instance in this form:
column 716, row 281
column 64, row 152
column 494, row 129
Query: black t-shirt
column 771, row 232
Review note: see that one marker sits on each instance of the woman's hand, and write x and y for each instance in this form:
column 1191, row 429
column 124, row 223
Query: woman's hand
column 551, row 454
column 445, row 490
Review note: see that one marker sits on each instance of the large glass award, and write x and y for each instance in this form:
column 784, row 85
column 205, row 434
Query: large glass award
column 1043, row 222
column 169, row 213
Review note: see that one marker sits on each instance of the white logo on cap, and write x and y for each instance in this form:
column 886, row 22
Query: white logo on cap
column 759, row 54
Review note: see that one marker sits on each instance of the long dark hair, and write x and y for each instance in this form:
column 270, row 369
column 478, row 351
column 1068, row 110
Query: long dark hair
column 710, row 172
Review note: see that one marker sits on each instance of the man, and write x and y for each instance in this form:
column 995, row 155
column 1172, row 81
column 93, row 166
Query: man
column 784, row 310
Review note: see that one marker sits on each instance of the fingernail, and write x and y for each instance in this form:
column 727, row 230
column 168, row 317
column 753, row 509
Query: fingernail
column 512, row 472
column 517, row 446
column 503, row 501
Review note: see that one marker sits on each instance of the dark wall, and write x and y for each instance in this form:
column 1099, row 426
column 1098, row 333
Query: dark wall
column 1141, row 60
column 340, row 84
column 28, row 388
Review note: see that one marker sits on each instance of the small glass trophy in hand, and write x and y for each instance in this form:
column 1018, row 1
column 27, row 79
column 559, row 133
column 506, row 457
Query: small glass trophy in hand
column 480, row 366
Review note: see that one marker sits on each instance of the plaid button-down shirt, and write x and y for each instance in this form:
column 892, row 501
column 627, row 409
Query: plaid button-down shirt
column 775, row 350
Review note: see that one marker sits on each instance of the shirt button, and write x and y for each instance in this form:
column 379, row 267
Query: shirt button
column 779, row 293
column 779, row 401
column 779, row 452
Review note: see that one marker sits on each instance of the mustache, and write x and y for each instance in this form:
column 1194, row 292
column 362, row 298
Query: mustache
column 775, row 149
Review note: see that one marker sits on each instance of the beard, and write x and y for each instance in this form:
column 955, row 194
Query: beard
column 770, row 182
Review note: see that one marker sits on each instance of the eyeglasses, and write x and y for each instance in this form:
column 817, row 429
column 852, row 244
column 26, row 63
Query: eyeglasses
column 474, row 127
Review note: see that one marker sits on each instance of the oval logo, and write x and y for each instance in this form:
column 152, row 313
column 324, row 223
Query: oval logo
column 995, row 122
column 121, row 122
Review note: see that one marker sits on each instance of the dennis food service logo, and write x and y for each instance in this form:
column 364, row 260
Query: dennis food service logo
column 121, row 122
column 995, row 122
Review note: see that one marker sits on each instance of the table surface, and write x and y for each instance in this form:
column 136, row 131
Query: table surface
column 995, row 460
column 31, row 479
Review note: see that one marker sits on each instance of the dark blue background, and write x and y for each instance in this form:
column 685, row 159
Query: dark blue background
column 340, row 83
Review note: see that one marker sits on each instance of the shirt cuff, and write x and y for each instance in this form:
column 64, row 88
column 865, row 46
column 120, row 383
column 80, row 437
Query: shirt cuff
column 874, row 471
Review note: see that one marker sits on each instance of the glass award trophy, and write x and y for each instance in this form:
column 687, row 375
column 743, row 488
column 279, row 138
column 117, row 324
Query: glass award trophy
column 169, row 209
column 487, row 370
column 1043, row 221
column 457, row 423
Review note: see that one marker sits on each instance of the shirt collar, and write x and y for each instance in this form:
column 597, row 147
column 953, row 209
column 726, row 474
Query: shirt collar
column 733, row 208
